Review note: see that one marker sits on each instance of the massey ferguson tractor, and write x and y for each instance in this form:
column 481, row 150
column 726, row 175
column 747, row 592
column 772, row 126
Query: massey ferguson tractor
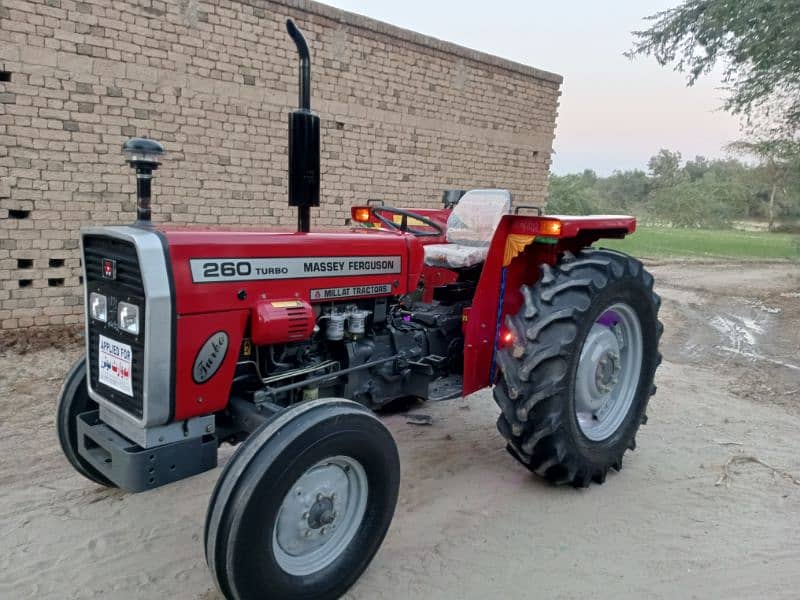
column 285, row 342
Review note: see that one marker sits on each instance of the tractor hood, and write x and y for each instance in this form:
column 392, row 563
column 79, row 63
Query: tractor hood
column 230, row 269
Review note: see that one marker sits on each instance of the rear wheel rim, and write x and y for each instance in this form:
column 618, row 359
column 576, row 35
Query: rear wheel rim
column 608, row 373
column 320, row 515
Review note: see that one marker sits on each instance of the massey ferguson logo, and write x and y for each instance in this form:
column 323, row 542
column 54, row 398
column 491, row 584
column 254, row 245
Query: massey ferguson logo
column 109, row 269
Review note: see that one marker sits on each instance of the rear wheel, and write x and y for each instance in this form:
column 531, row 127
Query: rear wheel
column 73, row 399
column 578, row 375
column 304, row 504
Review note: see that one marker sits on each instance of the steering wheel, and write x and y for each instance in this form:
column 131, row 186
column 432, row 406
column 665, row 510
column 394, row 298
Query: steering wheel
column 403, row 225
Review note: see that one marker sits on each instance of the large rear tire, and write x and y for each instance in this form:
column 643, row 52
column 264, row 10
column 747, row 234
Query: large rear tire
column 73, row 399
column 578, row 375
column 304, row 503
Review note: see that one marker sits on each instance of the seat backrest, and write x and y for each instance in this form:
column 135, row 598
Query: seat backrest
column 475, row 217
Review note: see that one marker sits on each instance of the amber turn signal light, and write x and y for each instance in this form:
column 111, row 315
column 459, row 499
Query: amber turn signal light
column 550, row 227
column 360, row 214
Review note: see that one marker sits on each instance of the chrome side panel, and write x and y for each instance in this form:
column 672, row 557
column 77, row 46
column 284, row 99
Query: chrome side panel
column 156, row 401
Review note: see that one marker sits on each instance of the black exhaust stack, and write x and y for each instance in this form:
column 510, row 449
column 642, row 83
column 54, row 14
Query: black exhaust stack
column 303, row 140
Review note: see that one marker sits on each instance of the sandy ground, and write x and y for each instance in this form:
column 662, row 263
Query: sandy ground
column 471, row 523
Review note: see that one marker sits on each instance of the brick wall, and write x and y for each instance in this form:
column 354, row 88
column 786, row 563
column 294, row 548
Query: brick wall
column 404, row 116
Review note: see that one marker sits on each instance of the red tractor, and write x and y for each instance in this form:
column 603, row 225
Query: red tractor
column 282, row 342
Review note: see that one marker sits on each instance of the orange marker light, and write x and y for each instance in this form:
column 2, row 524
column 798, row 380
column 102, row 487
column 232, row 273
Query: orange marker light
column 551, row 227
column 508, row 337
column 360, row 214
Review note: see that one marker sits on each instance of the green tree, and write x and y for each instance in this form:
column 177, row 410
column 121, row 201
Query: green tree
column 697, row 168
column 623, row 191
column 572, row 194
column 778, row 159
column 708, row 202
column 698, row 193
column 757, row 42
column 665, row 167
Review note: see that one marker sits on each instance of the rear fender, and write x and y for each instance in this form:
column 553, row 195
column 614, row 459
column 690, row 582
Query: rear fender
column 521, row 244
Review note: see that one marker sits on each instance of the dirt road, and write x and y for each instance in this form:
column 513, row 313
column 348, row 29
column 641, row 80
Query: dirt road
column 471, row 523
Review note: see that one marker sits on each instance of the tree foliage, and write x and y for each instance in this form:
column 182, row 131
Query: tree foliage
column 694, row 193
column 757, row 43
column 780, row 160
column 665, row 168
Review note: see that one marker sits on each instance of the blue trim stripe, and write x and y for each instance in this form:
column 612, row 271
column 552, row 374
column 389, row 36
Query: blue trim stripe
column 493, row 368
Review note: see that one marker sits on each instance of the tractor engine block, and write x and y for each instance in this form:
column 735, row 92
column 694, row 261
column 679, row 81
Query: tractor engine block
column 368, row 350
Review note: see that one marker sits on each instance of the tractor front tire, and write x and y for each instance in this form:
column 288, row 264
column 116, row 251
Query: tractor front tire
column 303, row 505
column 577, row 377
column 73, row 399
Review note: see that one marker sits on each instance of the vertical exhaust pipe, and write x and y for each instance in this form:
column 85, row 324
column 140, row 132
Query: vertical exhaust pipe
column 144, row 156
column 304, row 80
column 304, row 147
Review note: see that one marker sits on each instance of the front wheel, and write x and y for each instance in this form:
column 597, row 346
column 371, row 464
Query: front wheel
column 304, row 504
column 73, row 399
column 577, row 377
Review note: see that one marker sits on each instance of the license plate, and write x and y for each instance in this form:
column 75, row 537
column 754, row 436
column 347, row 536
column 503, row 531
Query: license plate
column 115, row 361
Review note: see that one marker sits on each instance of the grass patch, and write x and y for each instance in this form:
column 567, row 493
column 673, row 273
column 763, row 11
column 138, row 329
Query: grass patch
column 657, row 242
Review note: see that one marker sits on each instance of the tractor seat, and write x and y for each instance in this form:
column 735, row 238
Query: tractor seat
column 470, row 228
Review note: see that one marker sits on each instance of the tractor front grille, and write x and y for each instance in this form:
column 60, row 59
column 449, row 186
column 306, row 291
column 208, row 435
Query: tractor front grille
column 126, row 286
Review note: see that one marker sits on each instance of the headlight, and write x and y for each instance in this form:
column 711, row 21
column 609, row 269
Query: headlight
column 98, row 307
column 128, row 317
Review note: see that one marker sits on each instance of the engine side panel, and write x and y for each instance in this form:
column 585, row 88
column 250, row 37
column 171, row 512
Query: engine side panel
column 204, row 363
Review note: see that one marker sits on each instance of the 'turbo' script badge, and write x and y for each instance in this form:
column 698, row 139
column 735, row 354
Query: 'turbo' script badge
column 210, row 357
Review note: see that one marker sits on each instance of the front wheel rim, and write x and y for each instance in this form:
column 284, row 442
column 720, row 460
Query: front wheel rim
column 320, row 515
column 608, row 373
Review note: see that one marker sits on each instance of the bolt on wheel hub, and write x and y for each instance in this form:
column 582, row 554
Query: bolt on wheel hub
column 321, row 512
column 607, row 372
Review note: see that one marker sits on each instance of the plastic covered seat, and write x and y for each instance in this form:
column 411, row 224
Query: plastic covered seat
column 470, row 228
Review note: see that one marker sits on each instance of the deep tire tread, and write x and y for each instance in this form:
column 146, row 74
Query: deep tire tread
column 531, row 391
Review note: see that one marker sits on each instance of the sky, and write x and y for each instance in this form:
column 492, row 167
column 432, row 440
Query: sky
column 614, row 113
